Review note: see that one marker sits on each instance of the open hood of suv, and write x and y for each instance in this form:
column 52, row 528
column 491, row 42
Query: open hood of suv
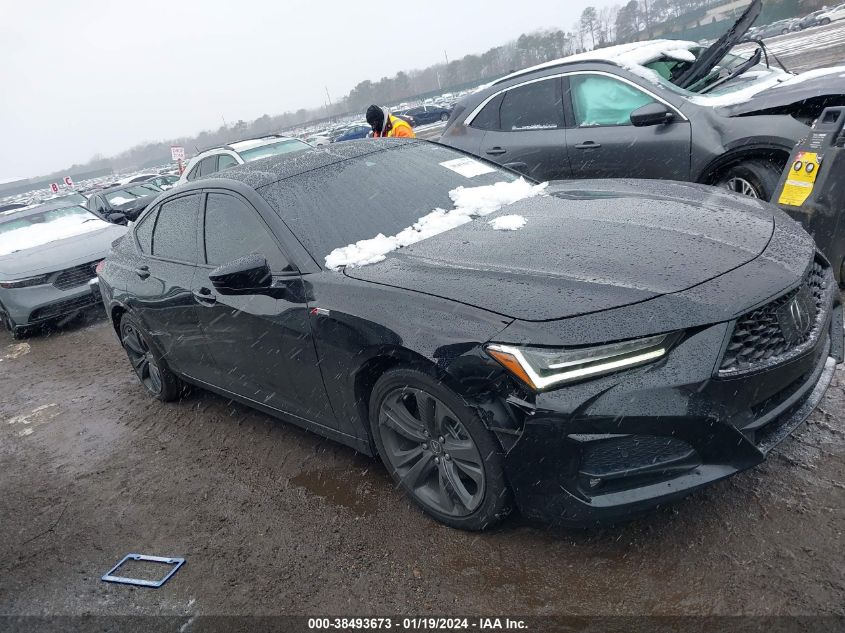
column 710, row 58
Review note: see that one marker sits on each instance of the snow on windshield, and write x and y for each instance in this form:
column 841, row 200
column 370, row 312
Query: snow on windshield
column 470, row 202
column 23, row 234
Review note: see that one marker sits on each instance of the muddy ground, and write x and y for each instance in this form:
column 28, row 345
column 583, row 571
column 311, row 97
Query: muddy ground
column 272, row 519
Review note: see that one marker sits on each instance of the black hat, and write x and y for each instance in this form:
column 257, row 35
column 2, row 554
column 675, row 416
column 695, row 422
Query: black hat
column 375, row 117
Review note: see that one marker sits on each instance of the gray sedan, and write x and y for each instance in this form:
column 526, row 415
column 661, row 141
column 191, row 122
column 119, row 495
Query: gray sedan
column 48, row 257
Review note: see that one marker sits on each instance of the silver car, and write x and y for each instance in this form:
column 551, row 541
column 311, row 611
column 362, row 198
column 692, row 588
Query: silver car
column 48, row 257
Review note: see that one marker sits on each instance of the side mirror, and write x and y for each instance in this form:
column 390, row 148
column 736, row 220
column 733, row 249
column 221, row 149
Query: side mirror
column 651, row 114
column 245, row 275
column 116, row 218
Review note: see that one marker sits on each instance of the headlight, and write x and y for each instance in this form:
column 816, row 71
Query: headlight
column 24, row 283
column 541, row 368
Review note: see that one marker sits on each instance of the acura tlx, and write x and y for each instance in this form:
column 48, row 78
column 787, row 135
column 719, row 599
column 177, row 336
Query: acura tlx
column 622, row 344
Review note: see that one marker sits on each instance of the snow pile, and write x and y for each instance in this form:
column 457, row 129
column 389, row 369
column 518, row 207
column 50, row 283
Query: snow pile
column 469, row 202
column 773, row 79
column 507, row 222
column 46, row 232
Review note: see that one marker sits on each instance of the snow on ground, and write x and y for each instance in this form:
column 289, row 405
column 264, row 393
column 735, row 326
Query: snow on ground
column 46, row 232
column 508, row 222
column 469, row 202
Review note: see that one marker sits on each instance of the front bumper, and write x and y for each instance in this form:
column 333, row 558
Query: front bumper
column 608, row 449
column 45, row 303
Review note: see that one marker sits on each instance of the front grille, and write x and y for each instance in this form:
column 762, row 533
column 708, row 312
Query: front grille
column 76, row 276
column 759, row 339
column 62, row 308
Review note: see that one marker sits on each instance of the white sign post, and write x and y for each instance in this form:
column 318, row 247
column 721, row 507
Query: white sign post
column 177, row 153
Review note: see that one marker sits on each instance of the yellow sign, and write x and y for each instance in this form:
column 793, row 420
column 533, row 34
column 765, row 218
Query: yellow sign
column 802, row 177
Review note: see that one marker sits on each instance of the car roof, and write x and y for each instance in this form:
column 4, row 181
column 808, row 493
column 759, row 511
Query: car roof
column 266, row 171
column 244, row 144
column 14, row 214
column 625, row 55
column 126, row 185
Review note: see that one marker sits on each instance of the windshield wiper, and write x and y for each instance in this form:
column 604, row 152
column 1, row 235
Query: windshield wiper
column 755, row 59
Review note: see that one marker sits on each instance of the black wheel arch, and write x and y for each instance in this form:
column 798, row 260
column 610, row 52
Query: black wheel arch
column 460, row 377
column 777, row 154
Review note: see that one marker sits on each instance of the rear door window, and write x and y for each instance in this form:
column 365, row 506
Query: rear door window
column 175, row 233
column 208, row 165
column 144, row 231
column 534, row 106
column 224, row 161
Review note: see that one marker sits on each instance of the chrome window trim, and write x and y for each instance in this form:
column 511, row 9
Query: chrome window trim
column 472, row 115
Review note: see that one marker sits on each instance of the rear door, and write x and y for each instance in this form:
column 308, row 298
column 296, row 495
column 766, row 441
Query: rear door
column 526, row 130
column 261, row 343
column 604, row 144
column 162, row 284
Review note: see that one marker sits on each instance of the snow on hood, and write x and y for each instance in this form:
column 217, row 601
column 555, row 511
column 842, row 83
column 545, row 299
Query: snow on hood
column 469, row 202
column 508, row 222
column 776, row 79
column 40, row 234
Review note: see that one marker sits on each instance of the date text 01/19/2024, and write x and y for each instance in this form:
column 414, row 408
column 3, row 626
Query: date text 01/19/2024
column 417, row 624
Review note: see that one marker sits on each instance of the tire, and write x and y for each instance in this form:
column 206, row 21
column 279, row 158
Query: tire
column 469, row 492
column 824, row 21
column 151, row 370
column 756, row 178
column 444, row 117
column 17, row 333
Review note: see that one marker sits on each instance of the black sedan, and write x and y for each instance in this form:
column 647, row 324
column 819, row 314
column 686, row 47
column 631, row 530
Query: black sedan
column 427, row 114
column 122, row 203
column 583, row 351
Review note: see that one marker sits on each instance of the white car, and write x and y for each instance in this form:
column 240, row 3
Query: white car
column 219, row 158
column 834, row 14
column 318, row 140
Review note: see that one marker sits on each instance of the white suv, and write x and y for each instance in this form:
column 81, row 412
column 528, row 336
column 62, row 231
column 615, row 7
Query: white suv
column 832, row 15
column 237, row 153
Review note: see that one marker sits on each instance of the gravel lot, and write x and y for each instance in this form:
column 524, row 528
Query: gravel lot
column 274, row 520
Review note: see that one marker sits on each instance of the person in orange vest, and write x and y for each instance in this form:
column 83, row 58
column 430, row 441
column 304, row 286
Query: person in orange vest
column 385, row 124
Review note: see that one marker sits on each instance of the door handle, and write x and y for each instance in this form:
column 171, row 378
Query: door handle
column 203, row 295
column 143, row 271
column 496, row 151
column 588, row 145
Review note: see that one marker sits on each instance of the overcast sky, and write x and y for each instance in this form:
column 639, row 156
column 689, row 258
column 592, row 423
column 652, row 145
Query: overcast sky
column 99, row 76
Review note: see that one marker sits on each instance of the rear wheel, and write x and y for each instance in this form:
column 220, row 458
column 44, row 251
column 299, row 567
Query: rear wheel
column 438, row 450
column 755, row 178
column 444, row 117
column 824, row 21
column 159, row 381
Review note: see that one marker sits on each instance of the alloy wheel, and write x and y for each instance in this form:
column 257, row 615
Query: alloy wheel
column 741, row 186
column 142, row 359
column 431, row 451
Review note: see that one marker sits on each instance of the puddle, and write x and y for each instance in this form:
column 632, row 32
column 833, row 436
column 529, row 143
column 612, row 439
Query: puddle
column 355, row 489
column 14, row 351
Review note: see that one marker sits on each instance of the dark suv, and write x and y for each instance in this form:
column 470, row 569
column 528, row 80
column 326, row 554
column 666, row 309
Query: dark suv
column 656, row 109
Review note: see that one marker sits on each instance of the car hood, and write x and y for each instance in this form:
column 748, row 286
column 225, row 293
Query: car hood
column 813, row 84
column 585, row 247
column 60, row 254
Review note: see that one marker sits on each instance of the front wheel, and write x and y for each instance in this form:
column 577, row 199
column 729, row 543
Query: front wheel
column 154, row 375
column 824, row 21
column 755, row 178
column 444, row 117
column 438, row 451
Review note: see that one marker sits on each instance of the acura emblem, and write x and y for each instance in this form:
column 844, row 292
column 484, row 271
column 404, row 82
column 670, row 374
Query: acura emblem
column 800, row 315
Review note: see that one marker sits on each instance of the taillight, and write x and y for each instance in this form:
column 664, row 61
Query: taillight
column 100, row 266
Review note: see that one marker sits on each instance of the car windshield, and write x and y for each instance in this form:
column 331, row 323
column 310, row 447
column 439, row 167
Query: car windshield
column 334, row 206
column 273, row 149
column 29, row 229
column 756, row 74
column 122, row 196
